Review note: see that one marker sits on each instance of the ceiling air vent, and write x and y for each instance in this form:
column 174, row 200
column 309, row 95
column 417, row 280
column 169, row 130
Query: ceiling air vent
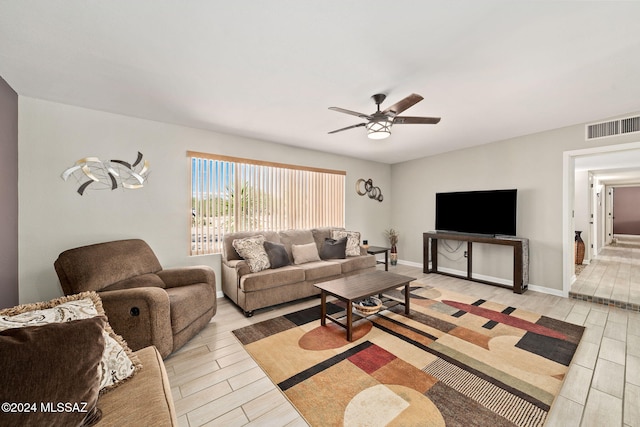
column 632, row 124
column 613, row 128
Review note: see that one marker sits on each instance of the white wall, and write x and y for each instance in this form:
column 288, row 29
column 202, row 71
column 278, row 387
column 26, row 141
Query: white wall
column 533, row 164
column 54, row 217
column 8, row 195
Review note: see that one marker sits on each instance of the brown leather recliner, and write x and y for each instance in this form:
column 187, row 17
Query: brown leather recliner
column 146, row 304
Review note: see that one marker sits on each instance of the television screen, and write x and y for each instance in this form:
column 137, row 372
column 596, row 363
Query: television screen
column 479, row 212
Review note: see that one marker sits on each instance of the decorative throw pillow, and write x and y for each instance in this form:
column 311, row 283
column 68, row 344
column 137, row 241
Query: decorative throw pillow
column 277, row 254
column 334, row 249
column 118, row 361
column 252, row 250
column 305, row 253
column 353, row 240
column 44, row 367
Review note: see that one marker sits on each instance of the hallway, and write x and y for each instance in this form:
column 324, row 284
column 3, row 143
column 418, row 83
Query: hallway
column 613, row 277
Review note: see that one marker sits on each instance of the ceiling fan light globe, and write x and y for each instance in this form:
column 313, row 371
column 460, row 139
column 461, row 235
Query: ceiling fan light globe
column 379, row 129
column 379, row 135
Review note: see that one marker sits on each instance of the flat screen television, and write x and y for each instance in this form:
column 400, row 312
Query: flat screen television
column 491, row 212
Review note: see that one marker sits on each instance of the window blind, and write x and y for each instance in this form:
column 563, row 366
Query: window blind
column 230, row 194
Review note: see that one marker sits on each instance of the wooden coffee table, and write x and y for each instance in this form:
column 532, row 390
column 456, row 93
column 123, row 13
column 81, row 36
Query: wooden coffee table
column 359, row 286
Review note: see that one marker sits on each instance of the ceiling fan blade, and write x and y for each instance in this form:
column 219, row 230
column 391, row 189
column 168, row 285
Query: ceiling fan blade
column 402, row 105
column 348, row 127
column 353, row 113
column 405, row 120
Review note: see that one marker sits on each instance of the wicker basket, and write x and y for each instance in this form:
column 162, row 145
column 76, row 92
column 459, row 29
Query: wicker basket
column 367, row 310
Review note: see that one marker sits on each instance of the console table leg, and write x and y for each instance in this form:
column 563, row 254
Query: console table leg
column 434, row 256
column 517, row 269
column 469, row 260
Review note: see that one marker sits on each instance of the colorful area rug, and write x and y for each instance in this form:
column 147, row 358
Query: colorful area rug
column 454, row 361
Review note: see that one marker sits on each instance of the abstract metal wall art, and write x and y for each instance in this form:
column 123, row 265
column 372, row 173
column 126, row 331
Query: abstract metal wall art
column 93, row 172
column 373, row 192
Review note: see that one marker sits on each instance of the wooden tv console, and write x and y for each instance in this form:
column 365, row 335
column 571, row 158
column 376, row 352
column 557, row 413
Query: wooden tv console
column 520, row 256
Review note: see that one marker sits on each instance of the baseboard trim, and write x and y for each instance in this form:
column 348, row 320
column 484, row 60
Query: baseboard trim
column 549, row 291
column 410, row 263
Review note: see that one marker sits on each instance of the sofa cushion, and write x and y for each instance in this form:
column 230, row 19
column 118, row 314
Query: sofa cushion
column 351, row 264
column 334, row 249
column 118, row 363
column 295, row 237
column 320, row 270
column 252, row 250
column 144, row 401
column 305, row 253
column 187, row 303
column 277, row 254
column 353, row 241
column 51, row 364
column 271, row 278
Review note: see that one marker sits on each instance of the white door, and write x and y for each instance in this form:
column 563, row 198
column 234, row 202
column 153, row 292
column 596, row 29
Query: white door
column 609, row 214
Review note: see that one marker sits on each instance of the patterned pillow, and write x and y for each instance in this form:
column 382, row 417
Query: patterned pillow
column 252, row 250
column 118, row 361
column 353, row 241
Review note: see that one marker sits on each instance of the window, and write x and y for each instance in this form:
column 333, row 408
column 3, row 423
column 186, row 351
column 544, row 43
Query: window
column 230, row 194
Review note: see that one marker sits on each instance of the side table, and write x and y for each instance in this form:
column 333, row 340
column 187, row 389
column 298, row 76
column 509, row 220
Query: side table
column 373, row 250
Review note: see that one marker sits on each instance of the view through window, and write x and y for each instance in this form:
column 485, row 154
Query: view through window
column 230, row 194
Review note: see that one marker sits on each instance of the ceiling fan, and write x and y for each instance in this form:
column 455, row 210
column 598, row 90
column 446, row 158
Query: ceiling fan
column 379, row 123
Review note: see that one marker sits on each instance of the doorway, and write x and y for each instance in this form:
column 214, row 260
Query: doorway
column 607, row 164
column 626, row 212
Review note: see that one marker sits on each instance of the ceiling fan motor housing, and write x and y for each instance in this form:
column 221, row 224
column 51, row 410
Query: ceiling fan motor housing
column 379, row 98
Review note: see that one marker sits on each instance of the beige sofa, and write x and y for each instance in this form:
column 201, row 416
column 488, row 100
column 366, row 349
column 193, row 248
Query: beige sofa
column 252, row 291
column 143, row 400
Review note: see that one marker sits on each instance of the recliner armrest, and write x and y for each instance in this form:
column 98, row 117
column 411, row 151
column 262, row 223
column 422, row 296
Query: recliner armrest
column 141, row 316
column 181, row 276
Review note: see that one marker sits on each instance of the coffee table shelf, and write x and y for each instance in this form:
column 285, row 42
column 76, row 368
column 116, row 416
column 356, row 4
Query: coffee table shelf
column 387, row 303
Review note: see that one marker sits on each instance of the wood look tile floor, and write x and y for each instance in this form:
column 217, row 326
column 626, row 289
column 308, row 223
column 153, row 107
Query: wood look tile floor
column 614, row 275
column 216, row 383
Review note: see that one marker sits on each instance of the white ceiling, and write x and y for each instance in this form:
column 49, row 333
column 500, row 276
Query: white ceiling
column 269, row 70
column 612, row 168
